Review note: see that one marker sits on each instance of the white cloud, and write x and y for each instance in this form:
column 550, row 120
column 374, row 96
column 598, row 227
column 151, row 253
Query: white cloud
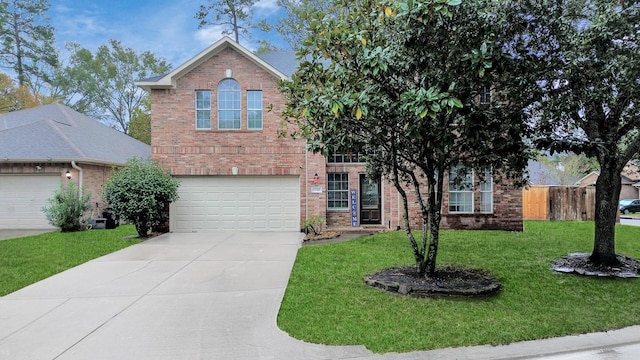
column 209, row 35
column 270, row 6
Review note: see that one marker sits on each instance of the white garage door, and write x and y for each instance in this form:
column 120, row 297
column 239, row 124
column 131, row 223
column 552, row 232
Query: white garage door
column 22, row 198
column 259, row 203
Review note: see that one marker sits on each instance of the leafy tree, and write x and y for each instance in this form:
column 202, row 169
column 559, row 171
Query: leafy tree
column 101, row 84
column 585, row 63
column 140, row 124
column 67, row 208
column 266, row 46
column 26, row 38
column 293, row 26
column 234, row 15
column 14, row 98
column 402, row 83
column 140, row 192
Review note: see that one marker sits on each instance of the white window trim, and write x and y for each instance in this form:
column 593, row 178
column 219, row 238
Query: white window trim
column 199, row 109
column 252, row 109
column 239, row 109
column 488, row 179
column 469, row 191
column 336, row 191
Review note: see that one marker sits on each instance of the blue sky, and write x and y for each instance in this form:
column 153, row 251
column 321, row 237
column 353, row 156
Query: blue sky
column 165, row 27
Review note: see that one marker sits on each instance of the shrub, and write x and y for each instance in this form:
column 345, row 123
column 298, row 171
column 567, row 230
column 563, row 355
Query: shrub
column 67, row 208
column 313, row 224
column 140, row 192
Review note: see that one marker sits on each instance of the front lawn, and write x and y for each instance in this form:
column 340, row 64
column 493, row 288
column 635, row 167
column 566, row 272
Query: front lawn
column 327, row 301
column 26, row 260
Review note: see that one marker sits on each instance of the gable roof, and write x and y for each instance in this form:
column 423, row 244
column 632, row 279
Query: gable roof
column 168, row 81
column 58, row 133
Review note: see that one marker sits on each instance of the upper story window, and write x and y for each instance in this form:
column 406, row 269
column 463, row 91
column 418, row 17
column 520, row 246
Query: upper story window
column 345, row 158
column 229, row 104
column 460, row 189
column 203, row 109
column 254, row 109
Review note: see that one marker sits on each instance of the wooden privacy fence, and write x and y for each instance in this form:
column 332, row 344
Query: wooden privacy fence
column 558, row 203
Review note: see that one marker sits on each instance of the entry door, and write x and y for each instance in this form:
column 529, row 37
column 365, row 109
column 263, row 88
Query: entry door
column 370, row 201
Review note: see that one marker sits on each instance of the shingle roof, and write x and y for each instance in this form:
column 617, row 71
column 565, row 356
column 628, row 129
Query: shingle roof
column 283, row 60
column 58, row 133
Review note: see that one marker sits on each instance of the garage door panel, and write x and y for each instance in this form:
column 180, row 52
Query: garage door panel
column 262, row 203
column 22, row 198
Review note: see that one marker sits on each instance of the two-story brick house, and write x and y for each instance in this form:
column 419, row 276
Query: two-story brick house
column 215, row 123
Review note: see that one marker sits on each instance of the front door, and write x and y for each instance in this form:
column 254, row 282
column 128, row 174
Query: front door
column 370, row 201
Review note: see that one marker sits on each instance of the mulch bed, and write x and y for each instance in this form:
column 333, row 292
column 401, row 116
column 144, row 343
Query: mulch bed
column 448, row 281
column 579, row 263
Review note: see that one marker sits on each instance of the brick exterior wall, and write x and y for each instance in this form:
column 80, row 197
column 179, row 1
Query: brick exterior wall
column 178, row 146
column 94, row 177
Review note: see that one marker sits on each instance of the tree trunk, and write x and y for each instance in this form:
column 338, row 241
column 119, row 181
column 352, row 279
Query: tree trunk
column 607, row 194
column 434, row 208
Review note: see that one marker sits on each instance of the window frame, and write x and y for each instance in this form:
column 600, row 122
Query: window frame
column 199, row 109
column 463, row 192
column 345, row 158
column 486, row 190
column 251, row 109
column 342, row 190
column 235, row 93
column 485, row 95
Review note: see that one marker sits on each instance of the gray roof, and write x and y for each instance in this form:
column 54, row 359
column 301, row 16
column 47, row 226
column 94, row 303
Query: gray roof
column 284, row 60
column 58, row 133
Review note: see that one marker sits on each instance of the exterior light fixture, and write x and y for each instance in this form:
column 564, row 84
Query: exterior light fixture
column 316, row 179
column 68, row 174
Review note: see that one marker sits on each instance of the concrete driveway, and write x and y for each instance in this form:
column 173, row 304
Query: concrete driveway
column 208, row 296
column 18, row 233
column 177, row 296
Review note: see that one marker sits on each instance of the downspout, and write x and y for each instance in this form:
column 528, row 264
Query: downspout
column 306, row 183
column 73, row 165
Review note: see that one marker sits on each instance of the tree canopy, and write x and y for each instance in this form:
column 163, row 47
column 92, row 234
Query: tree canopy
column 27, row 41
column 406, row 83
column 585, row 66
column 15, row 97
column 235, row 16
column 101, row 84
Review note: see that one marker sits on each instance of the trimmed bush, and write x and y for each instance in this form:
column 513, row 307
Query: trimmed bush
column 67, row 208
column 140, row 192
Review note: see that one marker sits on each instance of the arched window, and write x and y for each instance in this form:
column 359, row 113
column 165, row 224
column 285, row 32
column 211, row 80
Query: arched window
column 229, row 104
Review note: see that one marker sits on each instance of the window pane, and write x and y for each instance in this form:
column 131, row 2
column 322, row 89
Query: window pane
column 460, row 189
column 203, row 109
column 229, row 104
column 338, row 191
column 486, row 192
column 254, row 109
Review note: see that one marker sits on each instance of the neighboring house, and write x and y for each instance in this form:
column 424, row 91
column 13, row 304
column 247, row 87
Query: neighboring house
column 50, row 145
column 630, row 181
column 545, row 174
column 214, row 124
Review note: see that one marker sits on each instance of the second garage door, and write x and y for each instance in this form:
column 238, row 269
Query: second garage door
column 22, row 198
column 257, row 203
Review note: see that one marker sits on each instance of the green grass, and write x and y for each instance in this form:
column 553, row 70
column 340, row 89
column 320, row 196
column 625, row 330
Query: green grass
column 327, row 301
column 26, row 260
